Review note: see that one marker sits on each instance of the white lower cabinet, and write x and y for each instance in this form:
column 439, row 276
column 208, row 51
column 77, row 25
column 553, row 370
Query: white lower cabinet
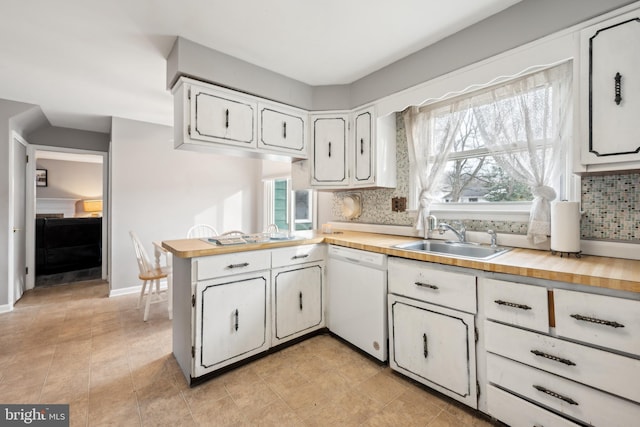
column 298, row 301
column 231, row 320
column 435, row 346
column 230, row 307
column 580, row 365
column 431, row 338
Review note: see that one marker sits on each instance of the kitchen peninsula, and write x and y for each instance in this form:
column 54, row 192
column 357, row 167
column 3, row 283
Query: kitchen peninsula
column 229, row 308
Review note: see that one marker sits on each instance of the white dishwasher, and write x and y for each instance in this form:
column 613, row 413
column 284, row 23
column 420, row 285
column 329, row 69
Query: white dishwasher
column 357, row 294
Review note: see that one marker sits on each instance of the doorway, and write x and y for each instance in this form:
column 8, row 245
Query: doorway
column 67, row 216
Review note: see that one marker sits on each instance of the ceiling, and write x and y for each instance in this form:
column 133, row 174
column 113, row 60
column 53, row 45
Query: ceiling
column 85, row 61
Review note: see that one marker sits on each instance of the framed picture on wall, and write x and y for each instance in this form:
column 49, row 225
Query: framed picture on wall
column 41, row 177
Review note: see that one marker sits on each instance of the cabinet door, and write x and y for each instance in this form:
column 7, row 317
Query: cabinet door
column 282, row 129
column 231, row 321
column 218, row 116
column 329, row 150
column 612, row 61
column 363, row 172
column 434, row 346
column 297, row 301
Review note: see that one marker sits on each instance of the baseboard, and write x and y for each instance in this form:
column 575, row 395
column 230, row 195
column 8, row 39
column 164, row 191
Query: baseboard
column 132, row 290
column 124, row 291
column 6, row 308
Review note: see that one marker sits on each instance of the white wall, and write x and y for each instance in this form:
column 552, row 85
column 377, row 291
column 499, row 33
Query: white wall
column 70, row 179
column 159, row 192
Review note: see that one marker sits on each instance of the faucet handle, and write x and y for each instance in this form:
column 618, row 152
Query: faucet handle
column 432, row 222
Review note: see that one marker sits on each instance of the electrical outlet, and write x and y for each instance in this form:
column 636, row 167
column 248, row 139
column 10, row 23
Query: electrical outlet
column 399, row 204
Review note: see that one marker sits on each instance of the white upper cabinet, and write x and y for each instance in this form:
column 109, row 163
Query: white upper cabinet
column 219, row 116
column 353, row 149
column 610, row 85
column 362, row 153
column 329, row 162
column 282, row 129
column 208, row 117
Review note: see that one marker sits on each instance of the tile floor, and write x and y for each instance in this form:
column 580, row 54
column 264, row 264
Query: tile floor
column 72, row 344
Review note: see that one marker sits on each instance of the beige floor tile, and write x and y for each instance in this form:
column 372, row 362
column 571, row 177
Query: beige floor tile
column 382, row 387
column 276, row 414
column 65, row 389
column 221, row 412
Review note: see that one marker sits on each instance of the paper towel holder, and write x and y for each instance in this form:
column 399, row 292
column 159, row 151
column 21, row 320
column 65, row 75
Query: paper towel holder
column 554, row 251
column 577, row 254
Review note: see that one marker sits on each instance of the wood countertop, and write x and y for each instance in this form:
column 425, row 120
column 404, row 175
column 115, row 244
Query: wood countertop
column 612, row 273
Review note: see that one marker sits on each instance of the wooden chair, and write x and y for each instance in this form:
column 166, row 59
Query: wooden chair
column 201, row 230
column 151, row 274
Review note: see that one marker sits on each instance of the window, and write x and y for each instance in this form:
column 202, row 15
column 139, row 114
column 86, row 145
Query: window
column 504, row 144
column 282, row 205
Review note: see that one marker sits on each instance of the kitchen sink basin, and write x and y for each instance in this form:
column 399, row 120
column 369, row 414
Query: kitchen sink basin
column 455, row 249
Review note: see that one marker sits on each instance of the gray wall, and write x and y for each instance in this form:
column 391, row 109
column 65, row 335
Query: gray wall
column 70, row 138
column 522, row 23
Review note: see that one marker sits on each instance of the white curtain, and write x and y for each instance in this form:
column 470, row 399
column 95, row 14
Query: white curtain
column 430, row 136
column 524, row 124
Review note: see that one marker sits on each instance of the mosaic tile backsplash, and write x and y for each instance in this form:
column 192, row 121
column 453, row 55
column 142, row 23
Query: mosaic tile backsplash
column 611, row 206
column 611, row 203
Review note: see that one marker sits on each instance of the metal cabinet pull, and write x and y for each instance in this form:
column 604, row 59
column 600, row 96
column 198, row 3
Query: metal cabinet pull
column 552, row 357
column 329, row 148
column 598, row 321
column 512, row 304
column 556, row 395
column 425, row 345
column 426, row 285
column 300, row 295
column 226, row 118
column 284, row 130
column 299, row 256
column 237, row 322
column 361, row 146
column 244, row 264
column 618, row 88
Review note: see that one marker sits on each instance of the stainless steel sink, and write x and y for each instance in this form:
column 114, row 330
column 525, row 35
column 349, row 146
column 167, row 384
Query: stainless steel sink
column 455, row 249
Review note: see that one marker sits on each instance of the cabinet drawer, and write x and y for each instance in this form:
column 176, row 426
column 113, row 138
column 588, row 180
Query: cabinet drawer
column 516, row 303
column 600, row 369
column 224, row 265
column 518, row 412
column 601, row 320
column 283, row 257
column 565, row 396
column 416, row 279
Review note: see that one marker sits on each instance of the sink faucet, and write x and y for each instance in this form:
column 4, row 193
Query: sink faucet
column 494, row 238
column 460, row 234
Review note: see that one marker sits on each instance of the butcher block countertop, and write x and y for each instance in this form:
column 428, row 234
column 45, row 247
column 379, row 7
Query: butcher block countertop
column 612, row 273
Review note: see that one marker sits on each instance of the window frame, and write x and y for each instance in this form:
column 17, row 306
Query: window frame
column 269, row 204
